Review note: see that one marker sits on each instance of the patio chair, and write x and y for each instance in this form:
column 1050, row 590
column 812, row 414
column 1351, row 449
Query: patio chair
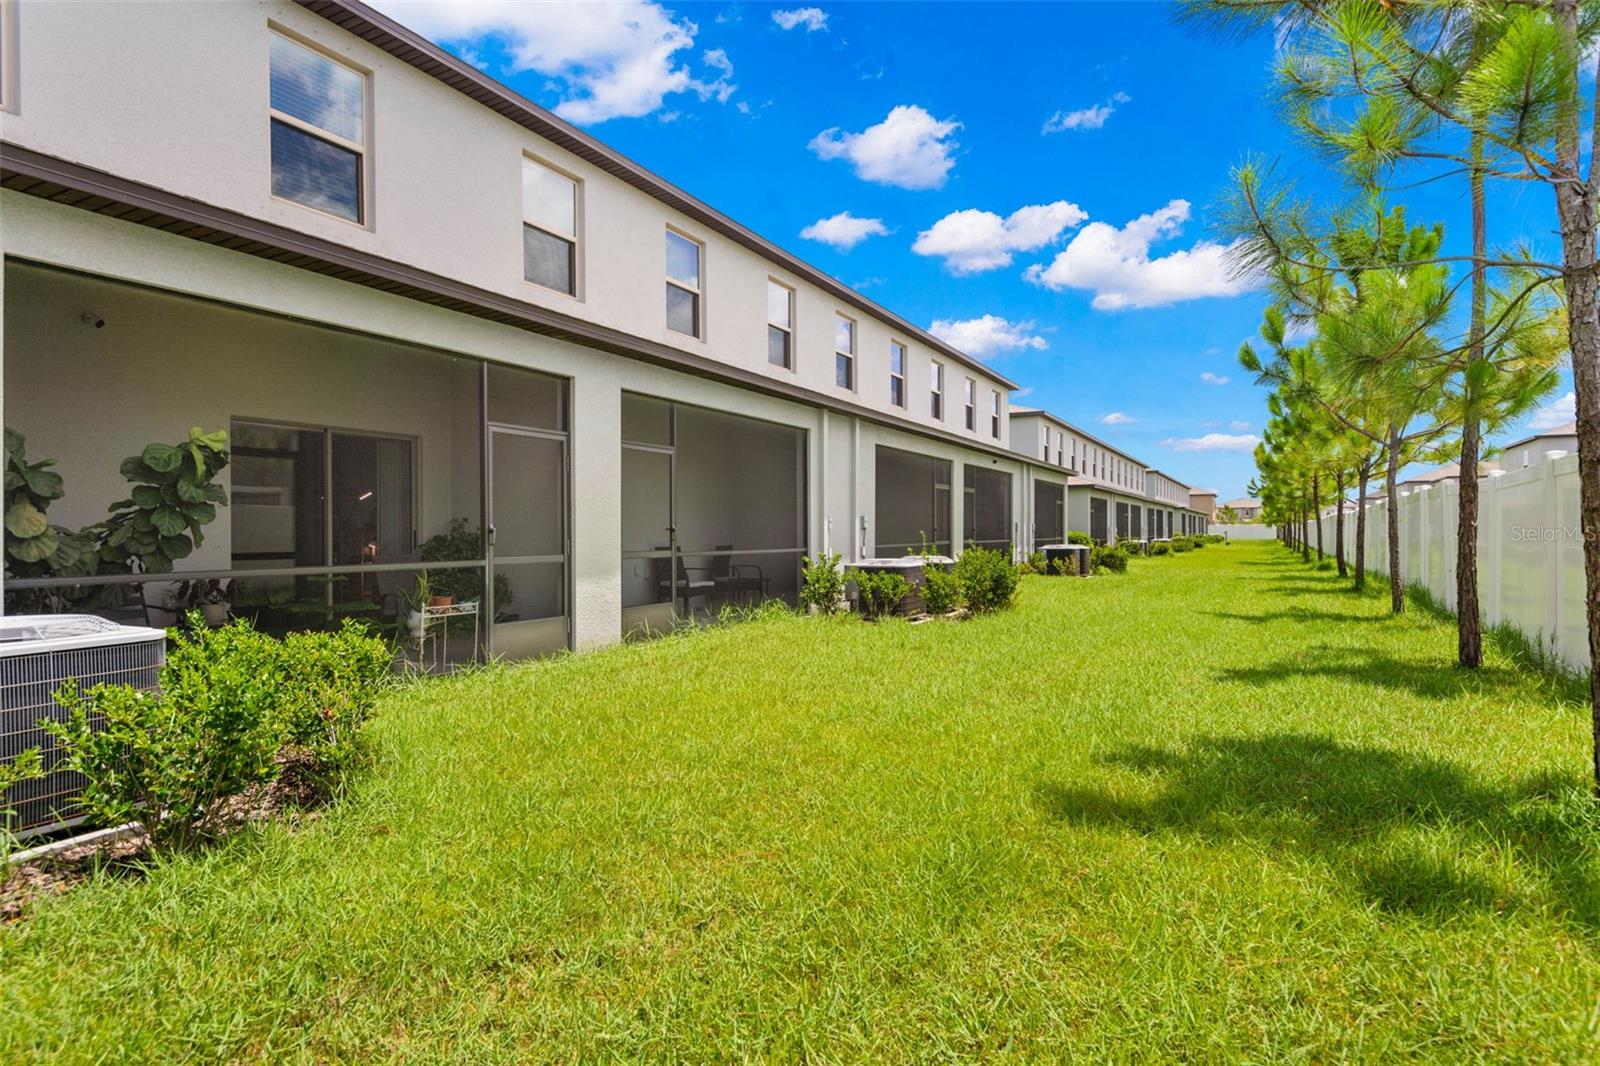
column 693, row 581
column 739, row 581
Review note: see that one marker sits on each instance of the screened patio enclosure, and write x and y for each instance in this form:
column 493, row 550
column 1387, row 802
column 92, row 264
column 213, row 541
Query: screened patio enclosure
column 986, row 498
column 1049, row 513
column 1099, row 523
column 912, row 502
column 357, row 466
column 713, row 512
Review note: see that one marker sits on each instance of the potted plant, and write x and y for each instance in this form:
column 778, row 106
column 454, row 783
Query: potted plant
column 420, row 596
column 213, row 598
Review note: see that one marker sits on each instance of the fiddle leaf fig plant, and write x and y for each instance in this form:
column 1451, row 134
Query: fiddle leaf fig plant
column 34, row 547
column 174, row 496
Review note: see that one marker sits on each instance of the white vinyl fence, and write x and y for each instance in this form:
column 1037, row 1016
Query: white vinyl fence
column 1243, row 530
column 1530, row 550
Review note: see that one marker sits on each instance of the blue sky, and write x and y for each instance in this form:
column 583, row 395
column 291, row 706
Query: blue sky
column 928, row 127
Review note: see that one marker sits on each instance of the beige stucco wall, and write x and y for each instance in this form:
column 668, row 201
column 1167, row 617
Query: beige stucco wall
column 179, row 100
column 73, row 397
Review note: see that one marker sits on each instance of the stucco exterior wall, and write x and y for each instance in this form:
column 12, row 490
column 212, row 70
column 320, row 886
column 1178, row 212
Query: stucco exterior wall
column 190, row 114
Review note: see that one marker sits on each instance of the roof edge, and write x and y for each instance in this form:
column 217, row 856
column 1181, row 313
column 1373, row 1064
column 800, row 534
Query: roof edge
column 412, row 48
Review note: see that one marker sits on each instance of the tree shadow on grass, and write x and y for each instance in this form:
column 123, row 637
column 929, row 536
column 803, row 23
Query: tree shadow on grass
column 1371, row 668
column 1404, row 830
column 1296, row 614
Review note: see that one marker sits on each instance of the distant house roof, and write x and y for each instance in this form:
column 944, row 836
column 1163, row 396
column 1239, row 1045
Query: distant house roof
column 1449, row 473
column 1243, row 501
column 1568, row 430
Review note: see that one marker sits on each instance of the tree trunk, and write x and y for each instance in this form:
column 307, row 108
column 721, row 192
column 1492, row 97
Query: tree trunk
column 1338, row 525
column 1391, row 511
column 1316, row 510
column 1575, row 207
column 1469, row 620
column 1305, row 535
column 1361, row 528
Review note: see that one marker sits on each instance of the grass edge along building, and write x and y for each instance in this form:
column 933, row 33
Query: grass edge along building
column 447, row 333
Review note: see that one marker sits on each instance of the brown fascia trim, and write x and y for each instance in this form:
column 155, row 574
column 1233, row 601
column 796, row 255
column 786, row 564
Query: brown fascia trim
column 36, row 174
column 385, row 33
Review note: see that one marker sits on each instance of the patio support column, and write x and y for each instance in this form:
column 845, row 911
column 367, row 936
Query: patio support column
column 596, row 523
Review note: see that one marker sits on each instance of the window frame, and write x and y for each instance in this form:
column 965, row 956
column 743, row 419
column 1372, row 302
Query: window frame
column 788, row 331
column 936, row 390
column 699, row 292
column 849, row 357
column 328, row 431
column 994, row 413
column 969, row 403
column 575, row 239
column 8, row 57
column 900, row 378
column 362, row 151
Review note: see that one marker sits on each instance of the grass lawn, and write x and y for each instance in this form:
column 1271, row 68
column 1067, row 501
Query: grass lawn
column 1218, row 808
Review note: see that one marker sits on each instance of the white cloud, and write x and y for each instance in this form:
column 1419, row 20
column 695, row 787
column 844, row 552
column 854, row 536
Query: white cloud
column 613, row 60
column 1213, row 442
column 1555, row 414
column 909, row 149
column 1117, row 418
column 1085, row 118
column 986, row 336
column 1238, row 426
column 972, row 241
column 812, row 18
column 1214, row 379
column 1116, row 264
column 844, row 231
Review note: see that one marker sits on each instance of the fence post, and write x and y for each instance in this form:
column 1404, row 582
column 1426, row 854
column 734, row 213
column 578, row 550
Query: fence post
column 1490, row 545
column 1550, row 505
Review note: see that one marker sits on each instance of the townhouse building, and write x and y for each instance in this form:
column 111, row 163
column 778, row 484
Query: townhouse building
column 448, row 332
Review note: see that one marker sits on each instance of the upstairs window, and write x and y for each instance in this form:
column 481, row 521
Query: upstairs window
column 970, row 403
column 897, row 374
column 994, row 414
column 780, row 325
column 683, row 284
column 844, row 352
column 549, row 227
column 936, row 391
column 319, row 130
column 1047, row 444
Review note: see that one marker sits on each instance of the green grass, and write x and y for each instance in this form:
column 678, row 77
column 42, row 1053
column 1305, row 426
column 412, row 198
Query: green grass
column 1218, row 808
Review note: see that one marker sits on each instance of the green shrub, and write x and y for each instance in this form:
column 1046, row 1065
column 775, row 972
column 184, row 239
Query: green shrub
column 822, row 583
column 330, row 687
column 940, row 590
column 987, row 580
column 1035, row 563
column 24, row 767
column 1107, row 559
column 878, row 591
column 1160, row 547
column 1181, row 545
column 169, row 758
column 1064, row 566
column 1078, row 536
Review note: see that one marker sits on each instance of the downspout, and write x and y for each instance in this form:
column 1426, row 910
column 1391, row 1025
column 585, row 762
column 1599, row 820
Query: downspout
column 822, row 478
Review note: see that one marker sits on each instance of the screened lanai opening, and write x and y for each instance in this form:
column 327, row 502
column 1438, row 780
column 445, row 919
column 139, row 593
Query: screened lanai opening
column 987, row 506
column 1099, row 521
column 713, row 512
column 1137, row 517
column 1124, row 520
column 347, row 481
column 912, row 502
column 1049, row 513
